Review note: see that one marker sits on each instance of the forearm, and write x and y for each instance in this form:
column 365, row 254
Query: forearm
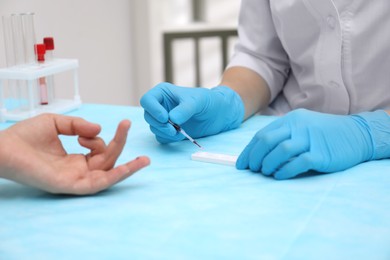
column 14, row 157
column 2, row 155
column 251, row 87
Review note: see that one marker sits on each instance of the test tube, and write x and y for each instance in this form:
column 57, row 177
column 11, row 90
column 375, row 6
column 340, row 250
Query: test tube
column 29, row 41
column 18, row 40
column 12, row 88
column 8, row 41
column 22, row 95
column 40, row 51
column 49, row 44
column 29, row 37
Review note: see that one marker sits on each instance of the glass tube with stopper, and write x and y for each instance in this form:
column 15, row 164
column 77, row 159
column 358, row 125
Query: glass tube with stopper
column 49, row 57
column 40, row 50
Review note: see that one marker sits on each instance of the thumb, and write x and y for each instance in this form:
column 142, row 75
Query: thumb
column 191, row 103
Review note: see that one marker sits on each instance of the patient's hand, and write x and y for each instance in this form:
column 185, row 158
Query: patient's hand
column 31, row 153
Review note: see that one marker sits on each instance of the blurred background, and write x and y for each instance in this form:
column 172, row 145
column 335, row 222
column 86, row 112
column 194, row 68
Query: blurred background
column 120, row 47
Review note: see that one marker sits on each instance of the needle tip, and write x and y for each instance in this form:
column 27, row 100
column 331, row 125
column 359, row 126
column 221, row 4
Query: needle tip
column 198, row 145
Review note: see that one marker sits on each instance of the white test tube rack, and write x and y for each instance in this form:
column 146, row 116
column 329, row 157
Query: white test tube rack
column 30, row 74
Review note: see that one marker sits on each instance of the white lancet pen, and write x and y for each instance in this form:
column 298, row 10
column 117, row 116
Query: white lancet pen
column 179, row 129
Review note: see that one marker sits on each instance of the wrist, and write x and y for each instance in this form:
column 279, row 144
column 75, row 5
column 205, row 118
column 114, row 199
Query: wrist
column 3, row 154
column 378, row 128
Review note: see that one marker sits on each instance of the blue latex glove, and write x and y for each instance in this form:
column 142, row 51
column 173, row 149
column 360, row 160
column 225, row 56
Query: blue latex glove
column 304, row 140
column 199, row 111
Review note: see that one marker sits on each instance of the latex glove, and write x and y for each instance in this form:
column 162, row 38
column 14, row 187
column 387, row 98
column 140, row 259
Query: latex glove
column 31, row 153
column 304, row 140
column 199, row 111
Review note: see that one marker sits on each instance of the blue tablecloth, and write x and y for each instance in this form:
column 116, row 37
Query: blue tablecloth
column 182, row 209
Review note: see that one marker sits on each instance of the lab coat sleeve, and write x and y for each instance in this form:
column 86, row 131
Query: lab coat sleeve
column 259, row 47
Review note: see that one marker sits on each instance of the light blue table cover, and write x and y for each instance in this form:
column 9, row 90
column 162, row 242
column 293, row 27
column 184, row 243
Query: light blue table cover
column 182, row 209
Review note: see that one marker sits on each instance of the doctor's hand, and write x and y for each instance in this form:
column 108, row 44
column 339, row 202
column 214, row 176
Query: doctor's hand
column 199, row 111
column 31, row 153
column 304, row 140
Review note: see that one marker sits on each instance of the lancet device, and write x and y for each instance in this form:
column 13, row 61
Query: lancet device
column 179, row 129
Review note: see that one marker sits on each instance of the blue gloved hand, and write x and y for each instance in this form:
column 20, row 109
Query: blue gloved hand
column 304, row 140
column 199, row 111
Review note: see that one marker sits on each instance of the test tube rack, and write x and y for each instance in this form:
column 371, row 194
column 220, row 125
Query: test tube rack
column 30, row 74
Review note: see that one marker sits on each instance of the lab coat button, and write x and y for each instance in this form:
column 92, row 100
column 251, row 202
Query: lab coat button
column 331, row 21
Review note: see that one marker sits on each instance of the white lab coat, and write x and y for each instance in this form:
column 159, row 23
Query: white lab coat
column 326, row 55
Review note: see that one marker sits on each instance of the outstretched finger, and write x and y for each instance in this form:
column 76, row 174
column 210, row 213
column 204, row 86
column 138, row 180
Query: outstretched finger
column 124, row 171
column 99, row 180
column 115, row 147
